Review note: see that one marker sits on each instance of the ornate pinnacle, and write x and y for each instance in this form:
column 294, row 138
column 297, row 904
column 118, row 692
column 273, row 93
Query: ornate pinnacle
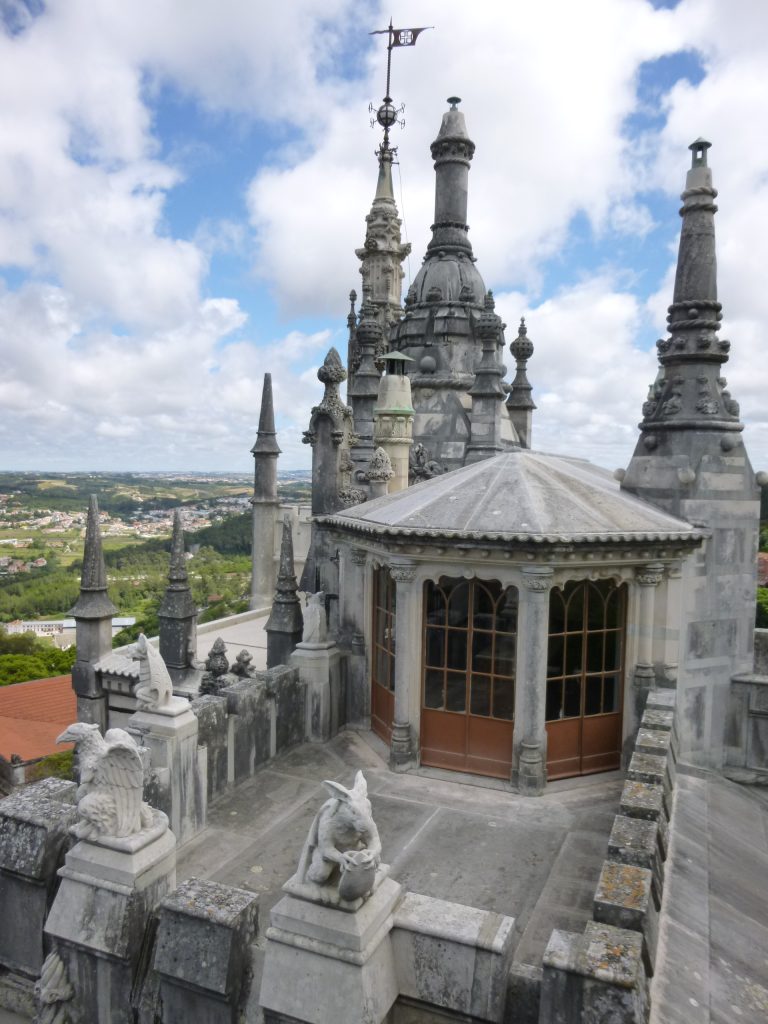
column 178, row 571
column 266, row 440
column 93, row 602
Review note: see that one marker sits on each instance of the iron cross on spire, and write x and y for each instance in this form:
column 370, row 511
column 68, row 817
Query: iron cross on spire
column 387, row 114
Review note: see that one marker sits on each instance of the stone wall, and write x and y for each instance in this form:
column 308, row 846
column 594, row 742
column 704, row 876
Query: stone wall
column 249, row 722
column 746, row 726
column 605, row 973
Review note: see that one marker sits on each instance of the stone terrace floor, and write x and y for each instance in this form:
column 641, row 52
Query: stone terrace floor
column 537, row 860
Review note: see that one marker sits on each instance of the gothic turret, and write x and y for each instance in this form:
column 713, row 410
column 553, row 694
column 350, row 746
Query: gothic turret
column 285, row 624
column 487, row 393
column 264, row 501
column 177, row 614
column 93, row 613
column 520, row 405
column 690, row 460
column 443, row 309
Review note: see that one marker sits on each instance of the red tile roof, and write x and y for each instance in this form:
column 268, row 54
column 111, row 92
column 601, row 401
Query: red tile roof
column 33, row 714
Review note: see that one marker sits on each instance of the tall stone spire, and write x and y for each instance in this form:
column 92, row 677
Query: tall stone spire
column 93, row 613
column 520, row 405
column 443, row 310
column 363, row 388
column 264, row 502
column 178, row 614
column 690, row 460
column 452, row 152
column 285, row 624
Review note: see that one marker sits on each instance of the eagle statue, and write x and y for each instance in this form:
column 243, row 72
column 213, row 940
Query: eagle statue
column 111, row 782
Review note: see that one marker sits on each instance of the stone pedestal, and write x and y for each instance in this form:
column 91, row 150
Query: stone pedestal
column 203, row 951
column 329, row 961
column 319, row 666
column 98, row 919
column 34, row 833
column 179, row 766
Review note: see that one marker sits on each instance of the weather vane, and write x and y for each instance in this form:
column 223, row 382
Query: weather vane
column 388, row 114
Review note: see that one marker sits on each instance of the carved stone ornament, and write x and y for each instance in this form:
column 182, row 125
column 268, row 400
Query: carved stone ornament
column 343, row 848
column 242, row 664
column 52, row 991
column 315, row 620
column 649, row 575
column 537, row 582
column 420, row 464
column 111, row 782
column 402, row 573
column 379, row 467
column 155, row 688
column 358, row 556
column 349, row 496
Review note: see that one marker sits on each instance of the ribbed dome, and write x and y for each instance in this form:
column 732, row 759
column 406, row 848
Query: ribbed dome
column 457, row 279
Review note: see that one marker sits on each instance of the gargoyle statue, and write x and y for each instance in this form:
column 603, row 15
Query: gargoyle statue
column 111, row 781
column 155, row 688
column 343, row 835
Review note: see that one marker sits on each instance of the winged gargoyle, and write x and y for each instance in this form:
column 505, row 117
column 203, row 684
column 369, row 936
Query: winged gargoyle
column 111, row 781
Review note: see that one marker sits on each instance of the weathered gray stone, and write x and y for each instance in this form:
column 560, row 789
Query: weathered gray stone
column 641, row 800
column 211, row 712
column 594, row 977
column 202, row 952
column 654, row 718
column 34, row 836
column 662, row 700
column 634, row 841
column 453, row 957
column 647, row 768
column 623, row 899
column 319, row 668
column 653, row 741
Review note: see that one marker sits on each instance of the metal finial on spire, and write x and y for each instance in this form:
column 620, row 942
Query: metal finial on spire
column 388, row 115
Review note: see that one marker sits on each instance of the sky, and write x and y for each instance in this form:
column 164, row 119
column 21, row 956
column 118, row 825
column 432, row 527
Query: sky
column 183, row 184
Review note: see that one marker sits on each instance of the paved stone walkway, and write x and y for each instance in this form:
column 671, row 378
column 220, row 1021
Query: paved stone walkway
column 537, row 860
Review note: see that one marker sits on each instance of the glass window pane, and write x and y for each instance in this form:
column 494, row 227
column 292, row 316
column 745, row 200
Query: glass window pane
column 457, row 649
column 556, row 612
column 486, row 594
column 504, row 655
column 611, row 694
column 574, row 647
column 572, row 701
column 458, row 605
column 480, row 702
column 503, row 699
column 482, row 652
column 554, row 700
column 506, row 611
column 574, row 596
column 592, row 697
column 613, row 609
column 435, row 603
column 434, row 648
column 555, row 665
column 433, row 689
column 612, row 650
column 456, row 691
column 596, row 604
column 595, row 652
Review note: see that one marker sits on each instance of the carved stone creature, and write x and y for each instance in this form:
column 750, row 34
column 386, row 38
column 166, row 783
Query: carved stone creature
column 155, row 688
column 242, row 665
column 315, row 623
column 52, row 990
column 111, row 781
column 343, row 829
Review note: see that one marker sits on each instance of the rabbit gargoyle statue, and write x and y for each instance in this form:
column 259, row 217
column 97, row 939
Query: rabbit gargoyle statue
column 343, row 842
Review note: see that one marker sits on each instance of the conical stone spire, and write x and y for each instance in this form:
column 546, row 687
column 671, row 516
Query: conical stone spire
column 285, row 624
column 178, row 614
column 264, row 502
column 487, row 393
column 690, row 461
column 93, row 602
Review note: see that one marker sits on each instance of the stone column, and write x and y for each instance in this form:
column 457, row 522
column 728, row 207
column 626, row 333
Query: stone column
column 648, row 578
column 407, row 661
column 179, row 767
column 356, row 613
column 530, row 736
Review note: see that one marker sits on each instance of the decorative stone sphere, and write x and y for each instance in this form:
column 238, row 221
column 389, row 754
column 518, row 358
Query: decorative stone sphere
column 521, row 347
column 428, row 364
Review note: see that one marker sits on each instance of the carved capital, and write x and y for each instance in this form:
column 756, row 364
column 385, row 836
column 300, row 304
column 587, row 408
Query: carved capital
column 402, row 573
column 650, row 575
column 537, row 580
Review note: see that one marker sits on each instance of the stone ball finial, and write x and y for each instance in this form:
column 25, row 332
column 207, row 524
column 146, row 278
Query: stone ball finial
column 332, row 371
column 522, row 347
column 369, row 329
